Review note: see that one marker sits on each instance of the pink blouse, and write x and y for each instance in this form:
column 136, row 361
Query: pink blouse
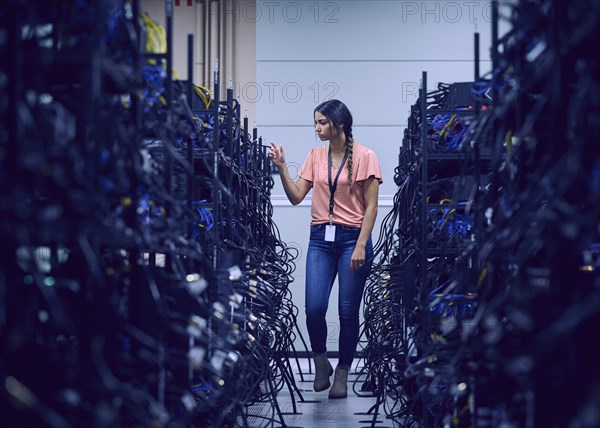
column 349, row 208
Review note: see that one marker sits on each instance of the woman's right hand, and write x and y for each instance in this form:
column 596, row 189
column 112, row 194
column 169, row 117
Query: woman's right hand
column 276, row 154
column 294, row 190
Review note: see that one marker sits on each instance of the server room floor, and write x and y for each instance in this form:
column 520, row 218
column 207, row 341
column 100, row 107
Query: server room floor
column 316, row 410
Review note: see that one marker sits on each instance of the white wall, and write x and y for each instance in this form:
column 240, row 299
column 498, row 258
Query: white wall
column 369, row 54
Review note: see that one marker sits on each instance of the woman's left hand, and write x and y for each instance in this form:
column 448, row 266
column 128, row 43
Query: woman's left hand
column 358, row 258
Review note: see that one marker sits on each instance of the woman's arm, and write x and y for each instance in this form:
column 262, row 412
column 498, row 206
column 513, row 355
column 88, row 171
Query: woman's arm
column 294, row 190
column 371, row 195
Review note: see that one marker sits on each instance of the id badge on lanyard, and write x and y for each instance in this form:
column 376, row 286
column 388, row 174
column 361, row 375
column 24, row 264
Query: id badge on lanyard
column 330, row 228
column 330, row 233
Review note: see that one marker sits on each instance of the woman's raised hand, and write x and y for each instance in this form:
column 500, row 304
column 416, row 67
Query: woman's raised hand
column 276, row 154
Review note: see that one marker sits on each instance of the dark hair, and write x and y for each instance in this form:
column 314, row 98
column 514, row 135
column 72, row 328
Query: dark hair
column 337, row 112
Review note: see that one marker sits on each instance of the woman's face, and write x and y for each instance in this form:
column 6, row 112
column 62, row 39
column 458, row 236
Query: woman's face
column 324, row 128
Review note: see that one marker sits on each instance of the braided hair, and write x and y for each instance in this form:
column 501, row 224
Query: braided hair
column 349, row 150
column 337, row 112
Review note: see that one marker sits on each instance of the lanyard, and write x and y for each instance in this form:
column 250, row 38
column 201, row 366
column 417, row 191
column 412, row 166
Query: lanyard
column 333, row 186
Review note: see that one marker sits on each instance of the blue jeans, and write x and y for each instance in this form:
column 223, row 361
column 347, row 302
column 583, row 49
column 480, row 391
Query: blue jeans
column 324, row 261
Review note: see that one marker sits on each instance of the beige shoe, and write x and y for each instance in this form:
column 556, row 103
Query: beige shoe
column 340, row 384
column 323, row 370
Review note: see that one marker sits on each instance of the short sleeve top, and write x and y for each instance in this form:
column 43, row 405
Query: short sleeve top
column 349, row 208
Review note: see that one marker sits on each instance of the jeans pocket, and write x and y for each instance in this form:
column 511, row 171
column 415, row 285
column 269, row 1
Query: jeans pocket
column 350, row 231
column 315, row 229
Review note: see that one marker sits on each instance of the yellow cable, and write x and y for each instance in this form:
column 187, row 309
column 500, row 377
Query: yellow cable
column 125, row 101
column 446, row 126
column 482, row 275
column 452, row 211
column 202, row 95
column 201, row 121
column 156, row 42
column 508, row 141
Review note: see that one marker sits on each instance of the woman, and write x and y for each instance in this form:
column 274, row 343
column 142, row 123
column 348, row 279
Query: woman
column 345, row 178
